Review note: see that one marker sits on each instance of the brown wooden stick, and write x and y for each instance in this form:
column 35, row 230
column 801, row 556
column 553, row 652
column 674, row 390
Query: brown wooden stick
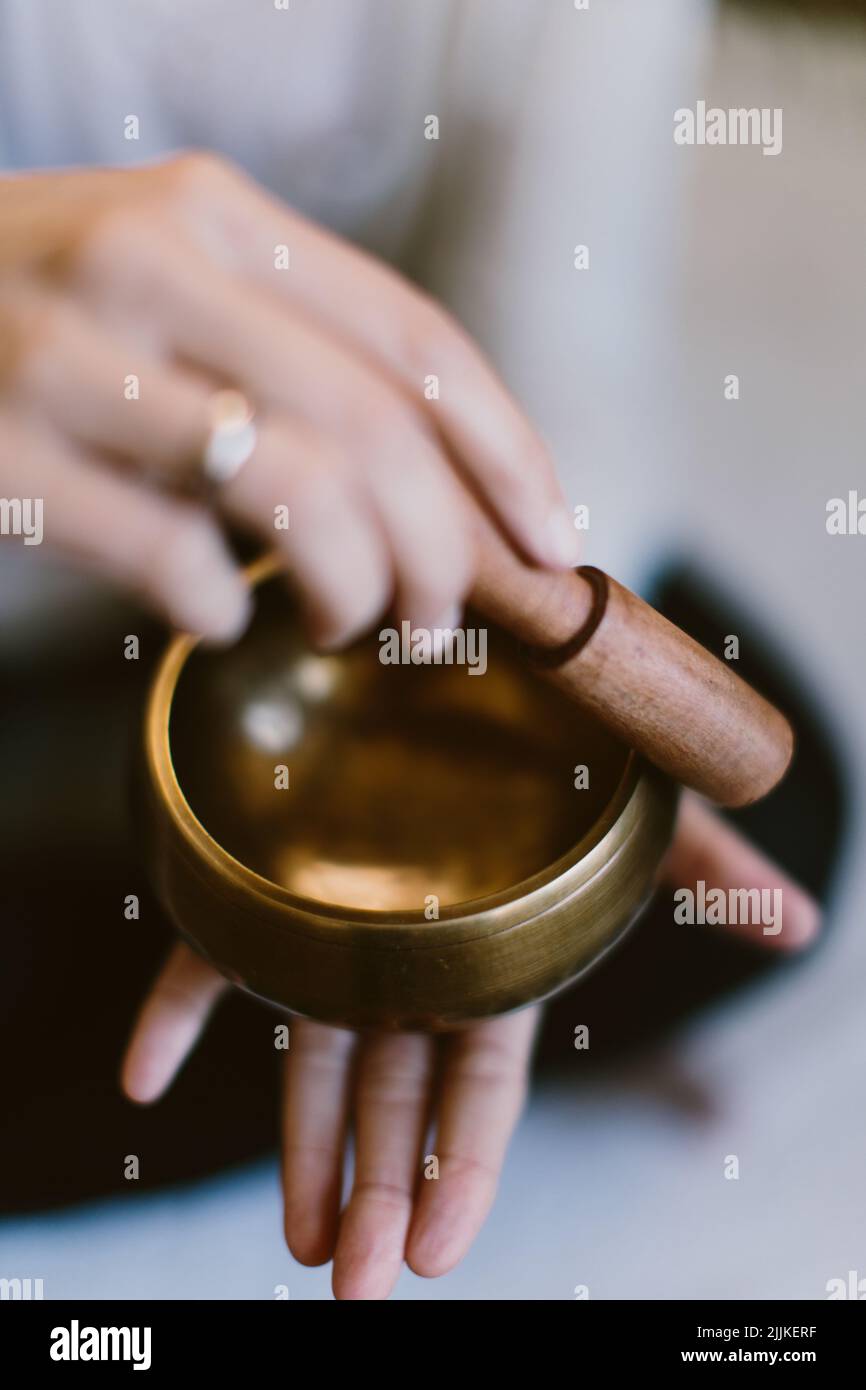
column 641, row 676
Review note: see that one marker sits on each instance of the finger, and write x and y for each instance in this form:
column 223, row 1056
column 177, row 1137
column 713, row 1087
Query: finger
column 483, row 1090
column 411, row 338
column 171, row 554
column 315, row 1116
column 170, row 1023
column 706, row 848
column 289, row 364
column 336, row 548
column 333, row 545
column 101, row 388
column 427, row 523
column 75, row 373
column 392, row 1096
column 407, row 480
column 296, row 369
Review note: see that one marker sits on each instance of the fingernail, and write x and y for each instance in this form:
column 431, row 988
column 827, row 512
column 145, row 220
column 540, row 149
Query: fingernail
column 562, row 545
column 450, row 619
column 443, row 631
column 220, row 614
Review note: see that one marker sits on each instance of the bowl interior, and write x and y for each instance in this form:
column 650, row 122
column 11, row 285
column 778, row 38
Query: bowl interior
column 404, row 781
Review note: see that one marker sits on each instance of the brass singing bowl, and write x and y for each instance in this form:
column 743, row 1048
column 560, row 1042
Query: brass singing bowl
column 431, row 860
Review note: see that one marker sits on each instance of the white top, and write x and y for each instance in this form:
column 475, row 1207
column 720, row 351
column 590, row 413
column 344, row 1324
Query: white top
column 323, row 101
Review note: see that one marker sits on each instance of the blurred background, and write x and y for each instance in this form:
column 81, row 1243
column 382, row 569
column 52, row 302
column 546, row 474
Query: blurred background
column 555, row 130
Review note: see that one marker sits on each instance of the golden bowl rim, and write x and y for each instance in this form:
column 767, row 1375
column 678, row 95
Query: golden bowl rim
column 494, row 912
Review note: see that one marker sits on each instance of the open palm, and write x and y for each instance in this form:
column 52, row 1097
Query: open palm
column 389, row 1089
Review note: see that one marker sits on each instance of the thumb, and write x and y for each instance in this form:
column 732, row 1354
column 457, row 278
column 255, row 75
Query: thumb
column 170, row 1022
column 707, row 848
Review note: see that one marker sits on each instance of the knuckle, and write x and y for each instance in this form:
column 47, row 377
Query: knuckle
column 382, row 1193
column 490, row 1062
column 126, row 229
column 378, row 422
column 116, row 236
column 505, row 482
column 319, row 1060
column 467, row 1167
column 426, row 336
column 391, row 1090
column 177, row 995
column 196, row 174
